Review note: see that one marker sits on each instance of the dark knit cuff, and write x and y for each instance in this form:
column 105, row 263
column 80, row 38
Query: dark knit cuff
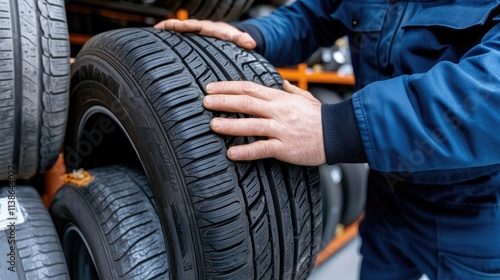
column 341, row 135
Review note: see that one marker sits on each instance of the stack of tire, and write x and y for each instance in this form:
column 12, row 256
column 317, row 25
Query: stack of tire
column 201, row 9
column 212, row 9
column 34, row 80
column 164, row 202
column 262, row 8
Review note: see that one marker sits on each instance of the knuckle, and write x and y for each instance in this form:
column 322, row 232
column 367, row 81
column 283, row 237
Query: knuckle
column 247, row 103
column 262, row 128
column 226, row 126
column 248, row 87
column 264, row 150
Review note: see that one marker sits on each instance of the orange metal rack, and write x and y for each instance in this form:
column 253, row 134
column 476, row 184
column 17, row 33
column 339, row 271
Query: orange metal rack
column 303, row 76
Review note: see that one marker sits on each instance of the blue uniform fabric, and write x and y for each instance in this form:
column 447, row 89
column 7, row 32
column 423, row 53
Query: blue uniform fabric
column 427, row 75
column 425, row 116
column 446, row 232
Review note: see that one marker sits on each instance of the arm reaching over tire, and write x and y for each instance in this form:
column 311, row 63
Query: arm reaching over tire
column 290, row 119
column 215, row 29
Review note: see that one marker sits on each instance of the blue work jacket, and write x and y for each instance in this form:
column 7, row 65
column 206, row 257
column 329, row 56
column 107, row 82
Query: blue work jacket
column 427, row 72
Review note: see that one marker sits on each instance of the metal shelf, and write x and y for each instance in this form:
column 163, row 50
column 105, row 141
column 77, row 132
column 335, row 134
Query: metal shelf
column 303, row 76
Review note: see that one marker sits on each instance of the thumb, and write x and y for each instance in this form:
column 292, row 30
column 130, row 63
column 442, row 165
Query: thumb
column 245, row 41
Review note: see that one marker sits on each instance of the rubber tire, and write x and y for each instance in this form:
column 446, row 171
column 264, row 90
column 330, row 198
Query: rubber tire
column 278, row 3
column 331, row 187
column 222, row 220
column 325, row 95
column 355, row 180
column 224, row 10
column 37, row 253
column 262, row 10
column 34, row 82
column 116, row 216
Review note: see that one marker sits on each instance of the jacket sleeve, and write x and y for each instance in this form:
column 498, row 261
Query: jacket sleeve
column 292, row 33
column 446, row 118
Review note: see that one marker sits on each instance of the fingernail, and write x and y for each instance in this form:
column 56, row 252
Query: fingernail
column 210, row 87
column 207, row 100
column 232, row 153
column 216, row 124
column 247, row 41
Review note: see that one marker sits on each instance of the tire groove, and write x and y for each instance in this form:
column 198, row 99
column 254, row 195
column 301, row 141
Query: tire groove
column 16, row 42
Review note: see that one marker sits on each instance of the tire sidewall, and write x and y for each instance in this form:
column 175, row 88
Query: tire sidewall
column 156, row 156
column 354, row 189
column 332, row 202
column 75, row 210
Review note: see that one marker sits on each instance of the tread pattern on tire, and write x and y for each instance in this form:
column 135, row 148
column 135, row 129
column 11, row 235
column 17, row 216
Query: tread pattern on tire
column 275, row 204
column 38, row 252
column 34, row 82
column 122, row 203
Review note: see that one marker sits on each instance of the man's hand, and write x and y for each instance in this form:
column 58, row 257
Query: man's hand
column 290, row 119
column 219, row 30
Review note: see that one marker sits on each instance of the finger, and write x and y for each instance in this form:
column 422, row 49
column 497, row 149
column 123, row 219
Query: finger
column 165, row 24
column 237, row 104
column 241, row 88
column 219, row 30
column 190, row 25
column 225, row 31
column 288, row 87
column 257, row 150
column 177, row 25
column 242, row 127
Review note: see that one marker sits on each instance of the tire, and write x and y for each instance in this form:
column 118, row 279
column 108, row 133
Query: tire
column 325, row 95
column 260, row 10
column 331, row 188
column 110, row 229
column 355, row 179
column 34, row 81
column 222, row 220
column 29, row 249
column 225, row 10
column 278, row 3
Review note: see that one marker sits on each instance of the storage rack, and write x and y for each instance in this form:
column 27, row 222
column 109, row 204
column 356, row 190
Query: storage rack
column 303, row 76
